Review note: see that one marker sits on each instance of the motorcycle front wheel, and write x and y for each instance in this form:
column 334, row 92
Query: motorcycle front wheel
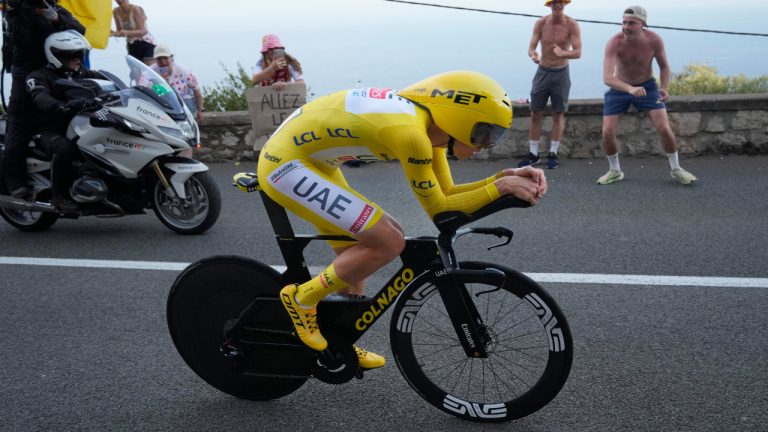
column 194, row 214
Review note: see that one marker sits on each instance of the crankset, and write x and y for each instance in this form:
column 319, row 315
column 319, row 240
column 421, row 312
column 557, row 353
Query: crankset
column 338, row 363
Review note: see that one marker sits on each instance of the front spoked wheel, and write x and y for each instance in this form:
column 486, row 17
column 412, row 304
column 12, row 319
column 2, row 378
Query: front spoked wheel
column 524, row 332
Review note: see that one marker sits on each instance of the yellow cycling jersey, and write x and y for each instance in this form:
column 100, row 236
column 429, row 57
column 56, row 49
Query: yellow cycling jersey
column 361, row 124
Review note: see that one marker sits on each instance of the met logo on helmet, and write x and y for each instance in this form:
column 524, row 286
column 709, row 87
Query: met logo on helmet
column 459, row 96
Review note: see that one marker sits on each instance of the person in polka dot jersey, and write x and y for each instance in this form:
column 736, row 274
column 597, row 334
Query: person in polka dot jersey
column 180, row 78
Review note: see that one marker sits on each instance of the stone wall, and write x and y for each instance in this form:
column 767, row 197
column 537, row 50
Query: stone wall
column 712, row 124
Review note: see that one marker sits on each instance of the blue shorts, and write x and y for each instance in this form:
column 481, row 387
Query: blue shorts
column 618, row 102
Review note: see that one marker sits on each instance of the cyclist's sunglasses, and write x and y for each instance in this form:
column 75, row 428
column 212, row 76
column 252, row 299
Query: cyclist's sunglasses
column 486, row 135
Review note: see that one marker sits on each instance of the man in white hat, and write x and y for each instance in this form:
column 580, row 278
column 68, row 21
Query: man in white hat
column 181, row 78
column 628, row 71
column 560, row 39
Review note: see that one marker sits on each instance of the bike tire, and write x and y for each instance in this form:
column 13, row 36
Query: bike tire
column 206, row 298
column 527, row 337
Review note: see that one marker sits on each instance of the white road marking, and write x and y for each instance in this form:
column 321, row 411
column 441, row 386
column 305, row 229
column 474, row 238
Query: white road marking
column 573, row 278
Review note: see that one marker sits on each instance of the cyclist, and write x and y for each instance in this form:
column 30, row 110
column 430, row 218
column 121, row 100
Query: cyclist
column 460, row 113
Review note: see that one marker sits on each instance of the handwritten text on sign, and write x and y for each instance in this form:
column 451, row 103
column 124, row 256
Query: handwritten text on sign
column 268, row 108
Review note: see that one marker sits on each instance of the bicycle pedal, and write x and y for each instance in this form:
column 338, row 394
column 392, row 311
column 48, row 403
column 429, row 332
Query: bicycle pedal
column 230, row 351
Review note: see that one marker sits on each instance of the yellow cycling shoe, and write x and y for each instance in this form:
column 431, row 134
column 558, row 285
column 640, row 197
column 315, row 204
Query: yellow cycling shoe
column 367, row 359
column 304, row 320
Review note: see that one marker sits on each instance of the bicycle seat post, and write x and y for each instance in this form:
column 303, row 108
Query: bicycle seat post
column 291, row 248
column 278, row 217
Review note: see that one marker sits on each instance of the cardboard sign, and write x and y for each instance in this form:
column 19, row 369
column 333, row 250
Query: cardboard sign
column 268, row 108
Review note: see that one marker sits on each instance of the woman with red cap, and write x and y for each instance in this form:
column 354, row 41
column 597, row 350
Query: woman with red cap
column 276, row 67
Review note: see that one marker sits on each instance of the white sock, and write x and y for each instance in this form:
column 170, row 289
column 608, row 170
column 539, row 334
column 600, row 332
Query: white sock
column 534, row 146
column 614, row 161
column 674, row 163
column 553, row 146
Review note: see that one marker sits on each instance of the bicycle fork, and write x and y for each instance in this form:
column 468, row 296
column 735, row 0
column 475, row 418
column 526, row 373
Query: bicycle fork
column 461, row 308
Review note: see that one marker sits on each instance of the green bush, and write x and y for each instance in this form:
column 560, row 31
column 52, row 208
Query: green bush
column 229, row 93
column 696, row 79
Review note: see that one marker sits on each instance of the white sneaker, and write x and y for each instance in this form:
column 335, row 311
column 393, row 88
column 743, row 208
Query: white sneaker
column 684, row 176
column 612, row 176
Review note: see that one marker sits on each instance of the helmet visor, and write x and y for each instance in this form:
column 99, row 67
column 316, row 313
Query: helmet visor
column 79, row 54
column 66, row 55
column 485, row 135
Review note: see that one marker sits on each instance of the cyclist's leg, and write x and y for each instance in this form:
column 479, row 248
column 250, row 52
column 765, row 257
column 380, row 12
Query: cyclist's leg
column 357, row 286
column 315, row 193
column 322, row 197
column 376, row 247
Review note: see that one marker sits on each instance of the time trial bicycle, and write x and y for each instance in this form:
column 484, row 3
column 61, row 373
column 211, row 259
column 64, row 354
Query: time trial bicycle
column 477, row 340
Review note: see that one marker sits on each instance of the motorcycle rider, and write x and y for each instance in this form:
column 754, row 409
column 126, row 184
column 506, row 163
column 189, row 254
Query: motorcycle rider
column 65, row 52
column 29, row 23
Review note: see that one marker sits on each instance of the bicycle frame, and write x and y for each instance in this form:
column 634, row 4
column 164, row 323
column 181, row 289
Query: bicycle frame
column 420, row 255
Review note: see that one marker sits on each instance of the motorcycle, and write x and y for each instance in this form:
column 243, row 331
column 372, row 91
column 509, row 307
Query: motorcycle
column 135, row 152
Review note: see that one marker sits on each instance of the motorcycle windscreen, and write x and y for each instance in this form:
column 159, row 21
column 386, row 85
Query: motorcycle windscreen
column 155, row 87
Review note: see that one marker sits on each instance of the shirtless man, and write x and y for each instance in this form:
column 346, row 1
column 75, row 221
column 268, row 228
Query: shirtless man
column 560, row 40
column 628, row 71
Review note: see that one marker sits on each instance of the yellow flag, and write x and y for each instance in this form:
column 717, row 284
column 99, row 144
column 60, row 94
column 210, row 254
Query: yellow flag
column 95, row 16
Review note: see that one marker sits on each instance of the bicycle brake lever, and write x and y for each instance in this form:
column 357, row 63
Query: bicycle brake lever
column 498, row 232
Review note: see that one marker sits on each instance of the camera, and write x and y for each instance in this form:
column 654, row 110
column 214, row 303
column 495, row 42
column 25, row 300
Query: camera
column 278, row 53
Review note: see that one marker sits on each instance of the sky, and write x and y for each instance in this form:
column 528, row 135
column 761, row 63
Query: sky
column 349, row 43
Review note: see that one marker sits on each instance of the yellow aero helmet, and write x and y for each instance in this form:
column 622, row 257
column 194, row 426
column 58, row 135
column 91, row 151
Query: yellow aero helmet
column 469, row 106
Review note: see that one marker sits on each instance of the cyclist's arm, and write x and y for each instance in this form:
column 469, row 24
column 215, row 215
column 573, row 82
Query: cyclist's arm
column 443, row 172
column 416, row 156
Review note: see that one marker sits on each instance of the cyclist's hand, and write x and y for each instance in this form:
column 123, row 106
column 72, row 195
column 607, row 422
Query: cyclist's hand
column 534, row 174
column 525, row 188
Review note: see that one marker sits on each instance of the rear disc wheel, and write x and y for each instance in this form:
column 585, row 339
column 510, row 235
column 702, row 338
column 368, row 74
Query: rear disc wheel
column 265, row 361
